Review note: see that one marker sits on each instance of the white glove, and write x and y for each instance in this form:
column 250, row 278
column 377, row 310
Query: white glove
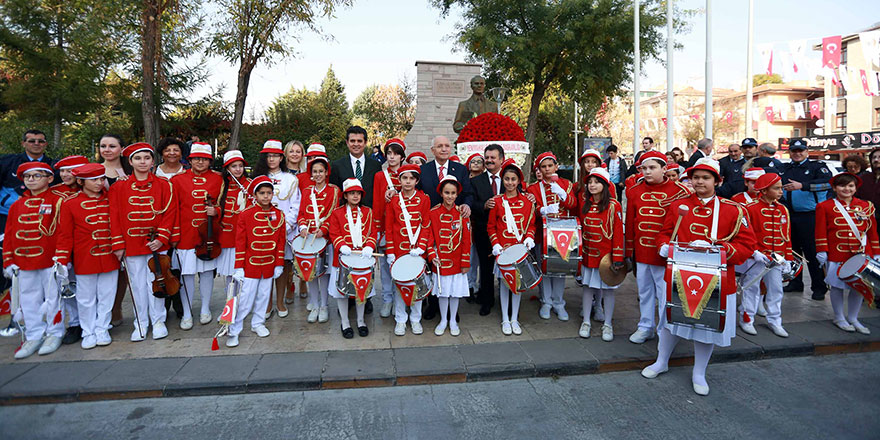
column 556, row 189
column 345, row 250
column 390, row 259
column 496, row 250
column 822, row 258
column 700, row 243
column 760, row 257
column 10, row 271
column 664, row 251
column 529, row 242
column 550, row 209
column 787, row 266
column 238, row 275
column 877, row 257
column 61, row 271
column 416, row 252
column 278, row 271
column 367, row 252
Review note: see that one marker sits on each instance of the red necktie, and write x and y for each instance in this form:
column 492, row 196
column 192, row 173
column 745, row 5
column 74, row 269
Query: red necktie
column 494, row 185
column 441, row 172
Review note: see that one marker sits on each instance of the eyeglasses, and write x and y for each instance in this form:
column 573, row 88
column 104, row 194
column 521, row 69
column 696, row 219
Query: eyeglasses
column 477, row 161
column 36, row 141
column 37, row 176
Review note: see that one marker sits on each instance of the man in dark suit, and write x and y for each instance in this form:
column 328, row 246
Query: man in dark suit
column 704, row 149
column 484, row 187
column 361, row 166
column 732, row 168
column 616, row 167
column 431, row 173
column 647, row 145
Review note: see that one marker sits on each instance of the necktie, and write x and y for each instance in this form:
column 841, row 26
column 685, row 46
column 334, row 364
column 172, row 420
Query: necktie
column 494, row 185
column 357, row 171
column 441, row 171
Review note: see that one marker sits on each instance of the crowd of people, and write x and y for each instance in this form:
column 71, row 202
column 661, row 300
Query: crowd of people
column 159, row 221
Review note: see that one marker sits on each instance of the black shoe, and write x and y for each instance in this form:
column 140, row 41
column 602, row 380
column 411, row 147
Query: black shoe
column 347, row 333
column 177, row 305
column 471, row 299
column 457, row 317
column 485, row 310
column 363, row 331
column 73, row 335
column 430, row 313
column 368, row 309
column 818, row 296
column 793, row 288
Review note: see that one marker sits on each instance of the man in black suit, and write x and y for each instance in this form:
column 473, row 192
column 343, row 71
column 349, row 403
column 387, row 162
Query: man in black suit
column 485, row 186
column 360, row 166
column 431, row 173
column 732, row 169
column 704, row 149
column 647, row 145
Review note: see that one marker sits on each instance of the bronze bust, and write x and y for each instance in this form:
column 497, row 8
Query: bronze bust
column 474, row 106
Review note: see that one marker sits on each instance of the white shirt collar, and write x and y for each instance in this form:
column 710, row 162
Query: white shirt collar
column 445, row 168
column 357, row 159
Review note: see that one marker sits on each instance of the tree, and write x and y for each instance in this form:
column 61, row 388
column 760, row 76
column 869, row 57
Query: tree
column 762, row 78
column 386, row 111
column 251, row 30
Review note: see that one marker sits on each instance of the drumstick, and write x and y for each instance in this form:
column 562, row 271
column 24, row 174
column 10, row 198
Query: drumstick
column 374, row 254
column 682, row 211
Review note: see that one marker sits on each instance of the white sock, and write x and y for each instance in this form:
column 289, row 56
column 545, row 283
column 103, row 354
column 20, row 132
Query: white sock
column 853, row 304
column 444, row 310
column 360, row 314
column 504, row 296
column 665, row 345
column 187, row 290
column 702, row 353
column 324, row 289
column 342, row 305
column 587, row 306
column 206, row 287
column 514, row 302
column 836, row 295
column 453, row 310
column 608, row 300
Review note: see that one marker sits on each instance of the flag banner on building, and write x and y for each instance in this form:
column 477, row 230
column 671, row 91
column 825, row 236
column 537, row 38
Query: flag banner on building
column 765, row 51
column 845, row 79
column 799, row 110
column 798, row 50
column 728, row 116
column 864, row 77
column 831, row 51
column 768, row 112
column 870, row 42
column 783, row 113
column 815, row 109
column 832, row 106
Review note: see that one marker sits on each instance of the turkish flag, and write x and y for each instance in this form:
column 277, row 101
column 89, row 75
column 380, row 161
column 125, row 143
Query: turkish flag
column 562, row 241
column 407, row 292
column 831, row 51
column 305, row 267
column 511, row 277
column 664, row 122
column 228, row 315
column 5, row 304
column 694, row 290
column 768, row 111
column 770, row 65
column 728, row 116
column 859, row 286
column 362, row 283
column 815, row 109
column 864, row 77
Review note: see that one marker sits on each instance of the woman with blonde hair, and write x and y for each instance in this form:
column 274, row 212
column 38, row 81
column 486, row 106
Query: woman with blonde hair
column 295, row 155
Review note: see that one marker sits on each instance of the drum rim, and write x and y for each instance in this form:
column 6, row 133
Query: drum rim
column 518, row 260
column 300, row 238
column 404, row 266
column 863, row 263
column 342, row 261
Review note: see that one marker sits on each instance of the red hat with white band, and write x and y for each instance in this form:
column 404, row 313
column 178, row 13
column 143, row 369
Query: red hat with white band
column 71, row 162
column 394, row 141
column 417, row 154
column 201, row 150
column 590, row 152
column 409, row 168
column 601, row 173
column 653, row 155
column 455, row 158
column 272, row 146
column 88, row 171
column 135, row 148
column 510, row 163
column 32, row 166
column 753, row 173
column 258, row 182
column 767, row 180
column 449, row 178
column 231, row 157
column 352, row 184
column 548, row 155
column 467, row 163
column 316, row 150
column 706, row 164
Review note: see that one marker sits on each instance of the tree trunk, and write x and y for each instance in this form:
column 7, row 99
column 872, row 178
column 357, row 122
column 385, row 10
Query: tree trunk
column 532, row 122
column 244, row 79
column 56, row 132
column 149, row 33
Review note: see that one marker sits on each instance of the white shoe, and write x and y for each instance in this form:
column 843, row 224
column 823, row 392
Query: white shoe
column 778, row 331
column 598, row 312
column 648, row 373
column 232, row 341
column 400, row 328
column 313, row 316
column 416, row 327
column 103, row 338
column 514, row 326
column 186, row 323
column 505, row 328
column 10, row 331
column 323, row 314
column 49, row 345
column 261, row 331
column 89, row 342
column 544, row 313
column 386, row 310
column 640, row 336
column 159, row 330
column 702, row 390
column 453, row 329
column 440, row 329
column 607, row 333
column 28, row 348
column 861, row 329
column 309, row 307
column 283, row 313
column 561, row 313
column 138, row 335
column 748, row 327
column 845, row 326
column 762, row 311
column 584, row 332
column 205, row 318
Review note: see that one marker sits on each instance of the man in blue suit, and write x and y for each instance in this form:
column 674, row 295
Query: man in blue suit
column 431, row 173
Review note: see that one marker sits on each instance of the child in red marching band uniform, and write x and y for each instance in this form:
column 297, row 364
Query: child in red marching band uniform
column 555, row 198
column 234, row 198
column 386, row 186
column 84, row 239
column 350, row 229
column 318, row 202
column 450, row 254
column 196, row 192
column 143, row 207
column 511, row 221
column 845, row 228
column 407, row 232
column 601, row 219
column 751, row 193
column 708, row 220
column 28, row 249
column 590, row 159
column 259, row 257
column 771, row 223
column 647, row 205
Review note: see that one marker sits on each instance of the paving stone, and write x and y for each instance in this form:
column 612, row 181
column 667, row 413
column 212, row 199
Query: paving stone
column 559, row 357
column 620, row 354
column 824, row 333
column 213, row 375
column 57, row 379
column 740, row 349
column 502, row 360
column 358, row 368
column 288, row 372
column 428, row 361
column 136, row 375
column 9, row 372
column 774, row 346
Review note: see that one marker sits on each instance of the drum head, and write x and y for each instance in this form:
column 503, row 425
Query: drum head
column 852, row 266
column 407, row 268
column 356, row 261
column 309, row 245
column 512, row 255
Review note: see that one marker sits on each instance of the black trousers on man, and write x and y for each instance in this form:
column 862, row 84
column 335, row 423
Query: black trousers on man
column 486, row 294
column 803, row 241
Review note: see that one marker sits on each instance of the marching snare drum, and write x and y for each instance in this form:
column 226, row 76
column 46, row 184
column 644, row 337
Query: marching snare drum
column 355, row 277
column 518, row 258
column 797, row 266
column 310, row 256
column 562, row 238
column 411, row 278
column 694, row 276
column 862, row 274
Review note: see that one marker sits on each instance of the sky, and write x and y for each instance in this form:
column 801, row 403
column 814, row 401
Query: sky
column 379, row 41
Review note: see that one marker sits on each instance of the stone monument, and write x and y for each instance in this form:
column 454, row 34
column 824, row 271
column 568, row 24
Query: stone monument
column 440, row 86
column 474, row 106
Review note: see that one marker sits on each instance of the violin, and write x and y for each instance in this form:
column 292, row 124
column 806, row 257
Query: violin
column 209, row 234
column 164, row 283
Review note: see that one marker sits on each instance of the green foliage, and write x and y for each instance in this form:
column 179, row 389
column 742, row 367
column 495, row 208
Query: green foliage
column 386, row 111
column 762, row 78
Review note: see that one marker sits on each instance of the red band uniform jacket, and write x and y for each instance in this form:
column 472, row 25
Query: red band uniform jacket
column 523, row 211
column 451, row 240
column 30, row 238
column 419, row 207
column 231, row 210
column 190, row 190
column 84, row 233
column 772, row 226
column 834, row 236
column 601, row 233
column 259, row 241
column 646, row 210
column 340, row 233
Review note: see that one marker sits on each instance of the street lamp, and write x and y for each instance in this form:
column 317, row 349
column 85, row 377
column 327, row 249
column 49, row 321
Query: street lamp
column 498, row 95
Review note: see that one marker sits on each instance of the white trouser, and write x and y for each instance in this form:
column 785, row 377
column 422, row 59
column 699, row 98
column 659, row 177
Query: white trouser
column 752, row 296
column 387, row 283
column 94, row 298
column 147, row 308
column 206, row 287
column 475, row 268
column 318, row 292
column 255, row 293
column 552, row 294
column 415, row 313
column 652, row 286
column 40, row 303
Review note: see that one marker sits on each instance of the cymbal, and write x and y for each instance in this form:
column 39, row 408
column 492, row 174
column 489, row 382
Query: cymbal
column 610, row 276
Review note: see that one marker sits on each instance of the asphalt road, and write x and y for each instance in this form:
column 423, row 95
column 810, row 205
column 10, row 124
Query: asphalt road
column 796, row 398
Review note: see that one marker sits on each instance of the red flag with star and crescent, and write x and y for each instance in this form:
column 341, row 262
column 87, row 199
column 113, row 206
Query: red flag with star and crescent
column 511, row 277
column 305, row 266
column 831, row 51
column 5, row 304
column 228, row 314
column 407, row 292
column 562, row 241
column 362, row 283
column 694, row 290
column 859, row 286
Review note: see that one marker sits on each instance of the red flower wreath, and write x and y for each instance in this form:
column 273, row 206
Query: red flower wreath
column 491, row 127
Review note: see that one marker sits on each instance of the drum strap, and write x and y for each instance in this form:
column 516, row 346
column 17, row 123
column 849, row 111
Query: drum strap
column 543, row 193
column 512, row 227
column 388, row 180
column 315, row 206
column 713, row 233
column 748, row 197
column 862, row 238
column 407, row 220
column 355, row 226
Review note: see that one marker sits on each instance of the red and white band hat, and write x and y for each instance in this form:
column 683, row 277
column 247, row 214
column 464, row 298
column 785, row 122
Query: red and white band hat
column 272, row 146
column 548, row 155
column 409, row 168
column 753, row 173
column 316, row 150
column 601, row 173
column 447, row 179
column 394, row 141
column 233, row 156
column 706, row 164
column 258, row 182
column 71, row 162
column 135, row 148
column 455, row 158
column 467, row 163
column 589, row 152
column 32, row 166
column 352, row 184
column 417, row 154
column 767, row 180
column 322, row 158
column 89, row 171
column 201, row 150
column 653, row 155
